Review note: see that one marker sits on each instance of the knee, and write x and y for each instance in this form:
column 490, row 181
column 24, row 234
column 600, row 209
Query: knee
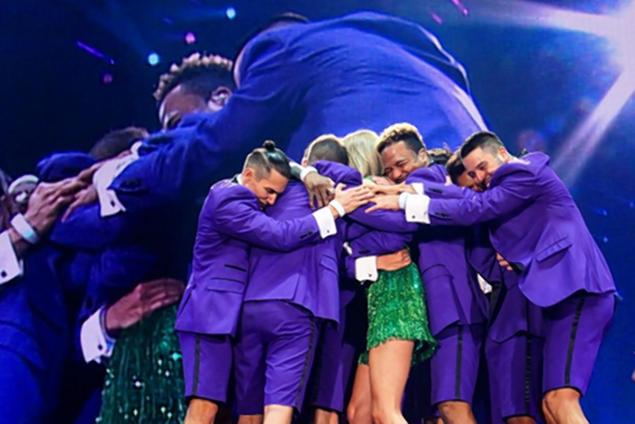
column 357, row 414
column 351, row 413
column 201, row 411
column 520, row 420
column 380, row 416
column 559, row 398
column 459, row 412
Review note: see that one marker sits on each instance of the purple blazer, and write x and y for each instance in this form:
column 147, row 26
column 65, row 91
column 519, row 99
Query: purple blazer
column 535, row 224
column 450, row 291
column 230, row 221
column 511, row 312
column 308, row 276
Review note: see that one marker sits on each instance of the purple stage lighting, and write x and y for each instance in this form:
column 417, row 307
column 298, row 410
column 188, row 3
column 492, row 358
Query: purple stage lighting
column 190, row 38
column 95, row 52
column 106, row 78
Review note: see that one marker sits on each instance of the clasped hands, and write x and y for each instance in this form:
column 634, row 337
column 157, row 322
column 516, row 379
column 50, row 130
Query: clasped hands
column 380, row 191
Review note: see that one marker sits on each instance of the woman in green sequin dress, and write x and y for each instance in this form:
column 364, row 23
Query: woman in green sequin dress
column 144, row 376
column 398, row 331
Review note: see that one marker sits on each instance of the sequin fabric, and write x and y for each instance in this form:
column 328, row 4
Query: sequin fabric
column 397, row 311
column 144, row 376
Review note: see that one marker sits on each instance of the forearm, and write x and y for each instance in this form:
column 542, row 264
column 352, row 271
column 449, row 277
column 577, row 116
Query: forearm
column 20, row 246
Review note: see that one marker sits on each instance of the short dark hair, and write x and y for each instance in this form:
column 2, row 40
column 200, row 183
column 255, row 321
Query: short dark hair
column 327, row 147
column 455, row 167
column 486, row 140
column 267, row 158
column 439, row 155
column 397, row 133
column 198, row 73
column 117, row 141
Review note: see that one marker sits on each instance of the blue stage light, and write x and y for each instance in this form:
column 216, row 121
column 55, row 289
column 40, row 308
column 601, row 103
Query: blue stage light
column 153, row 59
column 230, row 12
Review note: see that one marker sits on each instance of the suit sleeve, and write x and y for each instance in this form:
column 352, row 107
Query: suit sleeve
column 381, row 220
column 194, row 154
column 86, row 229
column 514, row 192
column 241, row 219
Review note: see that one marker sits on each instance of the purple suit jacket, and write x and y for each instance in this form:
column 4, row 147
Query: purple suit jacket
column 451, row 293
column 511, row 313
column 535, row 224
column 310, row 276
column 231, row 220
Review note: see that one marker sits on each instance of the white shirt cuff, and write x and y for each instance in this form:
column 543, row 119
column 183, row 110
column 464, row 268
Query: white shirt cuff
column 418, row 188
column 366, row 268
column 325, row 222
column 10, row 265
column 416, row 206
column 109, row 204
column 306, row 170
column 483, row 284
column 96, row 345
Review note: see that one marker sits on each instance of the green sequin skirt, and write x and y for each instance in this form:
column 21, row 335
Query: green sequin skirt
column 397, row 311
column 144, row 376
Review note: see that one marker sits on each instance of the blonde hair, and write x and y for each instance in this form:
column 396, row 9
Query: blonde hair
column 361, row 146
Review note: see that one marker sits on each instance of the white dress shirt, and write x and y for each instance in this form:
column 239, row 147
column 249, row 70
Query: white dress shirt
column 10, row 266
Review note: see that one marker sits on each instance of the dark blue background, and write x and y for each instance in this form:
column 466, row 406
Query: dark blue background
column 533, row 86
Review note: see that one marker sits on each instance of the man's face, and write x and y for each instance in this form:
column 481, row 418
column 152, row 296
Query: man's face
column 179, row 102
column 465, row 180
column 480, row 164
column 267, row 188
column 399, row 161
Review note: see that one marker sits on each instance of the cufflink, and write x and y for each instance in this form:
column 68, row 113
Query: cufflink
column 100, row 347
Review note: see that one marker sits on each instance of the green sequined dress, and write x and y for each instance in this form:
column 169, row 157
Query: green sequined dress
column 397, row 311
column 144, row 376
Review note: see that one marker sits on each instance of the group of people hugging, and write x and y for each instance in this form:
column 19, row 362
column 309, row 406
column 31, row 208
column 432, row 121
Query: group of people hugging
column 354, row 269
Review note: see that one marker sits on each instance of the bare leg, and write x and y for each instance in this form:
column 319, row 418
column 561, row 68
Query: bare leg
column 563, row 406
column 278, row 414
column 359, row 407
column 456, row 412
column 389, row 367
column 520, row 420
column 250, row 419
column 323, row 416
column 201, row 411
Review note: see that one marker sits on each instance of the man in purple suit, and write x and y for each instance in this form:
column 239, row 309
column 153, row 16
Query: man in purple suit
column 513, row 346
column 230, row 221
column 536, row 226
column 288, row 297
